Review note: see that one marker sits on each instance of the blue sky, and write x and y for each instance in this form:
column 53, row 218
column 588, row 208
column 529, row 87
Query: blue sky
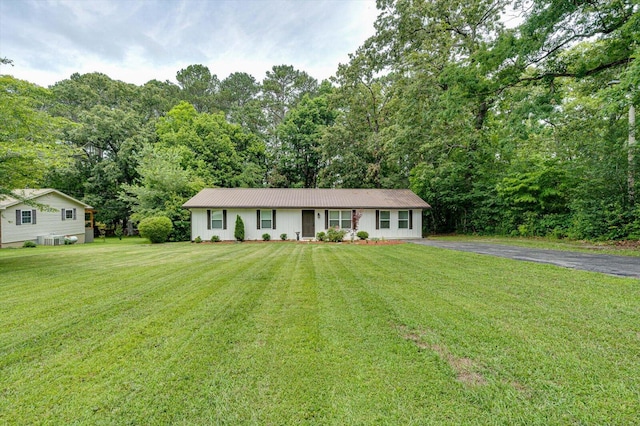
column 137, row 41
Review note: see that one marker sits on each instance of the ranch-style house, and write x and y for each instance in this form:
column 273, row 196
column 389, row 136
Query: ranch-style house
column 302, row 213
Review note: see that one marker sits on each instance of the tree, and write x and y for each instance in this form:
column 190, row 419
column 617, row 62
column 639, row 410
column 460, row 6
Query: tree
column 29, row 136
column 238, row 232
column 218, row 152
column 199, row 87
column 162, row 188
column 300, row 135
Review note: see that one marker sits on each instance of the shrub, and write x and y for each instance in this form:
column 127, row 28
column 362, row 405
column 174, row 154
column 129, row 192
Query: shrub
column 215, row 239
column 321, row 236
column 238, row 233
column 283, row 237
column 28, row 244
column 335, row 235
column 156, row 229
column 266, row 237
column 363, row 235
column 118, row 232
column 198, row 240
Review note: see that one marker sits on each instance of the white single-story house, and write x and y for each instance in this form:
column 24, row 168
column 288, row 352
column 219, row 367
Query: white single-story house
column 302, row 213
column 61, row 216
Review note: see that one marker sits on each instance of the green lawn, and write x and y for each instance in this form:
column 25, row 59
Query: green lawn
column 286, row 333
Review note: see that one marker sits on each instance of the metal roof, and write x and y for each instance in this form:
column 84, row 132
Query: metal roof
column 306, row 198
column 33, row 194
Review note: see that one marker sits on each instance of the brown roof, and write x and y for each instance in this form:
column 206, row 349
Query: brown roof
column 306, row 198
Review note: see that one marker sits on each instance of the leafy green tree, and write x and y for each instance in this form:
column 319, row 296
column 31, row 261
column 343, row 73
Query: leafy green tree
column 29, row 136
column 300, row 135
column 218, row 152
column 199, row 87
column 162, row 188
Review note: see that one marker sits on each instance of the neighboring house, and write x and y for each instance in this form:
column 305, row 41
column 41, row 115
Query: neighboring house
column 385, row 213
column 62, row 216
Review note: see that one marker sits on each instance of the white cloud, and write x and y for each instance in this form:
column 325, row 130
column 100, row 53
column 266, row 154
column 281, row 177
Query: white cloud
column 140, row 41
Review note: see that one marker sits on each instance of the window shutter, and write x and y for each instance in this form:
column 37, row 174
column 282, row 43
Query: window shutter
column 258, row 218
column 224, row 219
column 326, row 219
column 410, row 219
column 377, row 219
column 18, row 217
column 63, row 214
column 273, row 225
column 74, row 214
column 208, row 219
column 33, row 217
column 353, row 219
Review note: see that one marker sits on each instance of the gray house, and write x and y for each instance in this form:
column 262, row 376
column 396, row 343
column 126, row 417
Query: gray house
column 64, row 216
column 384, row 213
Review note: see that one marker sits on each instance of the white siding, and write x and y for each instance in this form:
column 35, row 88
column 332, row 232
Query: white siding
column 47, row 223
column 289, row 221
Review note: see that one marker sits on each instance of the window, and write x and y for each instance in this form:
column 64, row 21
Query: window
column 26, row 216
column 68, row 214
column 385, row 219
column 403, row 219
column 340, row 219
column 265, row 219
column 216, row 219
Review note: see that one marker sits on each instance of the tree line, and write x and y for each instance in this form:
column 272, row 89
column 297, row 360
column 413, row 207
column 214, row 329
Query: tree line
column 518, row 129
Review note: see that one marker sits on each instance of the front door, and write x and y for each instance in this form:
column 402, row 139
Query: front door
column 308, row 223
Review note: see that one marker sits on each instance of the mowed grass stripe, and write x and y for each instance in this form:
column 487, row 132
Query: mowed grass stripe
column 313, row 334
column 122, row 327
column 506, row 316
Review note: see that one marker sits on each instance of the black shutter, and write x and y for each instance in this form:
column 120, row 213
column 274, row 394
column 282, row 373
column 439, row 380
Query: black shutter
column 410, row 219
column 224, row 219
column 258, row 218
column 274, row 220
column 18, row 217
column 74, row 214
column 353, row 219
column 63, row 214
column 33, row 217
column 377, row 219
column 326, row 219
column 208, row 219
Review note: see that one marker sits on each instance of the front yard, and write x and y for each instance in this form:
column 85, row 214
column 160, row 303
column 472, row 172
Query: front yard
column 289, row 333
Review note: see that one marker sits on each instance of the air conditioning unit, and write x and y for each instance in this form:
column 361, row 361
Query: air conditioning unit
column 53, row 240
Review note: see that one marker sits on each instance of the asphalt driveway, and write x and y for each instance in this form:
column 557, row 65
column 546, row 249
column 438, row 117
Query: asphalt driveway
column 623, row 266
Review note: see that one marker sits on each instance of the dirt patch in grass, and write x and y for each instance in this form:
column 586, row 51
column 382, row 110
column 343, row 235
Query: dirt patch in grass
column 465, row 368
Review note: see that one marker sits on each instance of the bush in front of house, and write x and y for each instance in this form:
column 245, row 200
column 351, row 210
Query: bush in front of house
column 215, row 239
column 198, row 240
column 238, row 232
column 321, row 236
column 28, row 244
column 266, row 237
column 156, row 229
column 283, row 237
column 363, row 235
column 335, row 235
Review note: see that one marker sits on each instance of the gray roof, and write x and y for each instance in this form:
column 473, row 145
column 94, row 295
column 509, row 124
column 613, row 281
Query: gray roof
column 32, row 195
column 306, row 198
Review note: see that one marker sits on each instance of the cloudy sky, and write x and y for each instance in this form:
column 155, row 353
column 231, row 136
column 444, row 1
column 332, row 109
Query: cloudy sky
column 137, row 41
